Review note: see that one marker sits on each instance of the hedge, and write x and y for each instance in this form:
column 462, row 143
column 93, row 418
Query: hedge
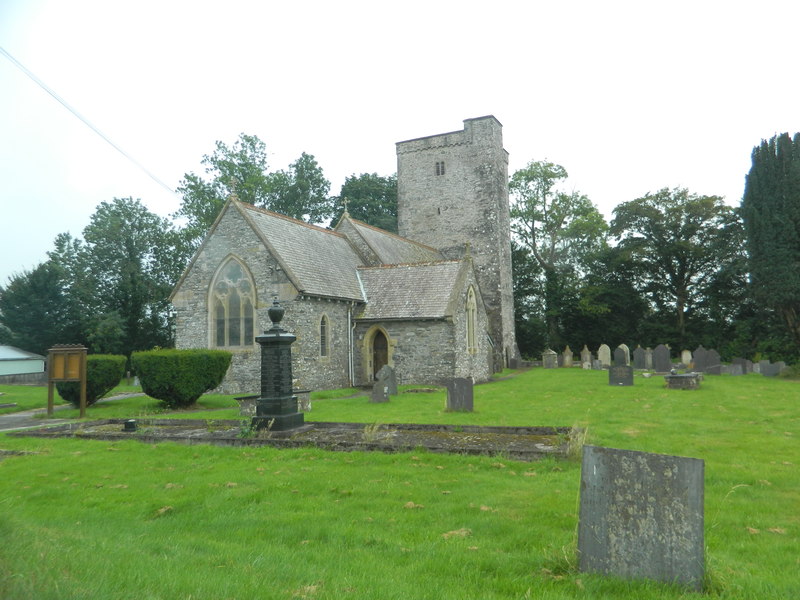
column 179, row 377
column 103, row 374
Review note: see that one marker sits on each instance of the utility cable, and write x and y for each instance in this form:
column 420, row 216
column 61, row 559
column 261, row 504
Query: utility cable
column 85, row 121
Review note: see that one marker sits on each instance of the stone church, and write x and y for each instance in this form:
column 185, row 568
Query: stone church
column 434, row 302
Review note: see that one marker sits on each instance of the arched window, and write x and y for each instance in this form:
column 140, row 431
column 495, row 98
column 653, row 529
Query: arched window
column 232, row 302
column 324, row 336
column 472, row 321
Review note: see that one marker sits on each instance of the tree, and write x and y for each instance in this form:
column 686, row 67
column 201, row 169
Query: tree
column 34, row 309
column 370, row 198
column 241, row 168
column 135, row 259
column 679, row 244
column 561, row 230
column 771, row 214
column 301, row 192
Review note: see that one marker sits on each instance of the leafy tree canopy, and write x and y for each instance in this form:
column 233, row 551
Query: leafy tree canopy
column 370, row 198
column 678, row 244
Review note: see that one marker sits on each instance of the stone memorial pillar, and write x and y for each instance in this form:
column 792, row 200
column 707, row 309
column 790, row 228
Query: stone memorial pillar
column 276, row 408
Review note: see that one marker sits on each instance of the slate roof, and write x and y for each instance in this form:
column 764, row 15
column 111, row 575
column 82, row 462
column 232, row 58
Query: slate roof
column 421, row 291
column 319, row 261
column 392, row 249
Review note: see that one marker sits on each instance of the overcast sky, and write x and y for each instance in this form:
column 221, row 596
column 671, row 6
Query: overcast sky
column 629, row 97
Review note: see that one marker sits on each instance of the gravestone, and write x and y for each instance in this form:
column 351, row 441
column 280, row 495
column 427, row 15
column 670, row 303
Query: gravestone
column 387, row 376
column 567, row 358
column 641, row 516
column 661, row 359
column 604, row 355
column 713, row 363
column 769, row 369
column 620, row 360
column 586, row 356
column 627, row 352
column 549, row 360
column 648, row 358
column 781, row 366
column 638, row 358
column 597, row 365
column 738, row 366
column 459, row 394
column 686, row 357
column 748, row 366
column 699, row 357
column 757, row 367
column 620, row 373
column 380, row 392
column 683, row 381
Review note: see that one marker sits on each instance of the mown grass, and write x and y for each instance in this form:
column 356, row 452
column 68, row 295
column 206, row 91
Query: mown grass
column 88, row 519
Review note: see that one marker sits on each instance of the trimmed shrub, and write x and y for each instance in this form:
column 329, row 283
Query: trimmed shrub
column 103, row 374
column 179, row 377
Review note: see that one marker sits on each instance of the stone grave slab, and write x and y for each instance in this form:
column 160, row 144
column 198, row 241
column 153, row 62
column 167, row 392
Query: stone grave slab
column 699, row 359
column 648, row 358
column 713, row 363
column 604, row 355
column 387, row 377
column 641, row 516
column 638, row 358
column 620, row 375
column 549, row 359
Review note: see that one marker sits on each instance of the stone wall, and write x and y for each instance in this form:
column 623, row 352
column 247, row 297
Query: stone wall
column 233, row 237
column 468, row 204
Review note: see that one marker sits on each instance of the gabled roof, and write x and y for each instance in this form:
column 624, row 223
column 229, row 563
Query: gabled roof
column 390, row 249
column 13, row 353
column 319, row 261
column 420, row 291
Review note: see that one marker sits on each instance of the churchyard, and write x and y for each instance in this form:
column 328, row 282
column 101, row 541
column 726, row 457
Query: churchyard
column 97, row 519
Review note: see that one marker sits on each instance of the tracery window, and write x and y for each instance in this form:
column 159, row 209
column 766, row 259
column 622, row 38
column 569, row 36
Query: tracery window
column 324, row 333
column 472, row 321
column 232, row 302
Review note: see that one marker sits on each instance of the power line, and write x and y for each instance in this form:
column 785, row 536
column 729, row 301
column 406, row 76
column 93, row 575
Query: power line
column 85, row 121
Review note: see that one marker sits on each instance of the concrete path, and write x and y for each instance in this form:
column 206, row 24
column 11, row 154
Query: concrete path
column 27, row 418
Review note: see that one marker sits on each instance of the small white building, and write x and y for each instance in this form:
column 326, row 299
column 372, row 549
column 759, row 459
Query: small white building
column 14, row 361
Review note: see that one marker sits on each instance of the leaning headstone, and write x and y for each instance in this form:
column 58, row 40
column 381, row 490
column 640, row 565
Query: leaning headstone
column 586, row 356
column 686, row 357
column 713, row 363
column 567, row 357
column 641, row 516
column 648, row 358
column 604, row 355
column 387, row 377
column 459, row 394
column 638, row 358
column 699, row 357
column 627, row 352
column 661, row 360
column 549, row 360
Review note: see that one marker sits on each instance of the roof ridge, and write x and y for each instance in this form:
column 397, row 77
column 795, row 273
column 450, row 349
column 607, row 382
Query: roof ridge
column 417, row 264
column 394, row 235
column 272, row 213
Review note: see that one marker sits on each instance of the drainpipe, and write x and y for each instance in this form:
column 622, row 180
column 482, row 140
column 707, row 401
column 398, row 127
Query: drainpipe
column 350, row 338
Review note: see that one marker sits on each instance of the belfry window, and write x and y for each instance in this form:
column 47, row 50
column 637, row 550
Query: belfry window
column 439, row 168
column 472, row 321
column 324, row 334
column 232, row 302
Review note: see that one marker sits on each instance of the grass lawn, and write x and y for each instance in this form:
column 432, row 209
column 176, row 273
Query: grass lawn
column 91, row 519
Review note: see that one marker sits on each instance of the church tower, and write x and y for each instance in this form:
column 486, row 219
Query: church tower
column 452, row 194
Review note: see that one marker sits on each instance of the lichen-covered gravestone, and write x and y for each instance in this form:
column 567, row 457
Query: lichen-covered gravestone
column 641, row 516
column 604, row 355
column 388, row 378
column 549, row 359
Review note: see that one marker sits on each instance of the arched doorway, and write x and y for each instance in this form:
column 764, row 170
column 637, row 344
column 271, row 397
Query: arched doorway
column 380, row 352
